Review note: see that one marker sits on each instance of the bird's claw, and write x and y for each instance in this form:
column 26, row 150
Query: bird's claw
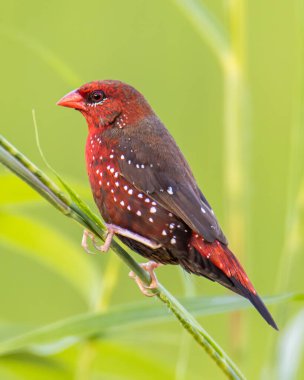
column 84, row 242
column 145, row 289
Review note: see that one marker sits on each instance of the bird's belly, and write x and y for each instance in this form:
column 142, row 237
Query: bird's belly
column 122, row 204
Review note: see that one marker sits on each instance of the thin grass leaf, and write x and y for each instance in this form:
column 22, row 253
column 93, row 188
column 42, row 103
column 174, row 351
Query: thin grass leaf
column 122, row 318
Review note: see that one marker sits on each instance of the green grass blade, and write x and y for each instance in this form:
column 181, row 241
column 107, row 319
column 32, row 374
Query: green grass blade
column 58, row 336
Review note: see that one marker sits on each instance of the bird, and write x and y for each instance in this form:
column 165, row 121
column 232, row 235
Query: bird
column 146, row 192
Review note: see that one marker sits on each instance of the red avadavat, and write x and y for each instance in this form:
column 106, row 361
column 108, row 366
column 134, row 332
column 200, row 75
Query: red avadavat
column 146, row 192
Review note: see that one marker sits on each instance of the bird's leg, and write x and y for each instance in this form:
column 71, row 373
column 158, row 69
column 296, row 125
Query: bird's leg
column 132, row 235
column 148, row 267
column 112, row 229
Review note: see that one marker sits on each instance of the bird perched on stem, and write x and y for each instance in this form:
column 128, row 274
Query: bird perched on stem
column 146, row 192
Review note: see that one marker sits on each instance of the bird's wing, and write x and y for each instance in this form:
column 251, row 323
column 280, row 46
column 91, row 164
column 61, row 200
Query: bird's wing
column 153, row 163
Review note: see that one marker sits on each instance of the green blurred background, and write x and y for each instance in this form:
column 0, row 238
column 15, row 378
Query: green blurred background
column 226, row 77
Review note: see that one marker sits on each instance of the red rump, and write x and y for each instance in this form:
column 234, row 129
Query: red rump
column 223, row 259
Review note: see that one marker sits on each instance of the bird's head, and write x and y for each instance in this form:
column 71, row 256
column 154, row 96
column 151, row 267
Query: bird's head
column 107, row 103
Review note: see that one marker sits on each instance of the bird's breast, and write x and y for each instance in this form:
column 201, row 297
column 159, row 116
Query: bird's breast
column 122, row 203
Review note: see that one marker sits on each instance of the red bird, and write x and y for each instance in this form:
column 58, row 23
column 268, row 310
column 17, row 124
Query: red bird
column 146, row 192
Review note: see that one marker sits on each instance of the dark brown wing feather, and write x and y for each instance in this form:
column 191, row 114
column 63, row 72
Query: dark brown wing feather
column 150, row 159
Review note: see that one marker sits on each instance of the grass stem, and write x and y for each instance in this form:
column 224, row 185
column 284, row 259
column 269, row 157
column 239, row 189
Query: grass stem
column 76, row 209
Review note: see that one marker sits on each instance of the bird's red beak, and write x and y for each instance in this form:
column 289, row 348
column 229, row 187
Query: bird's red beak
column 72, row 100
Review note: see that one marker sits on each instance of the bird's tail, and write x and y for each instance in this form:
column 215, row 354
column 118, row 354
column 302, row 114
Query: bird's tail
column 216, row 262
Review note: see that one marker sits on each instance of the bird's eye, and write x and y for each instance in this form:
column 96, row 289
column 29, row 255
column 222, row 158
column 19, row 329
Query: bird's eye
column 96, row 96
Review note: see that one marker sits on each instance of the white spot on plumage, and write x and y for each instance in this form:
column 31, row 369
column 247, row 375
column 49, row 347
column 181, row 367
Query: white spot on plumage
column 129, row 162
column 129, row 207
column 203, row 210
column 164, row 233
column 138, row 213
column 153, row 210
column 151, row 220
column 140, row 195
column 142, row 166
column 122, row 203
column 170, row 190
column 154, row 203
column 173, row 241
column 112, row 191
column 122, row 157
column 97, row 171
column 116, row 175
column 111, row 155
column 130, row 192
column 137, row 166
column 116, row 184
column 100, row 183
column 126, row 187
column 112, row 170
column 170, row 214
column 147, row 200
column 108, row 167
column 115, row 199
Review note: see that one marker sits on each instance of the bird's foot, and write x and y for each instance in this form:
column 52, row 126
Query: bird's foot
column 148, row 267
column 102, row 248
